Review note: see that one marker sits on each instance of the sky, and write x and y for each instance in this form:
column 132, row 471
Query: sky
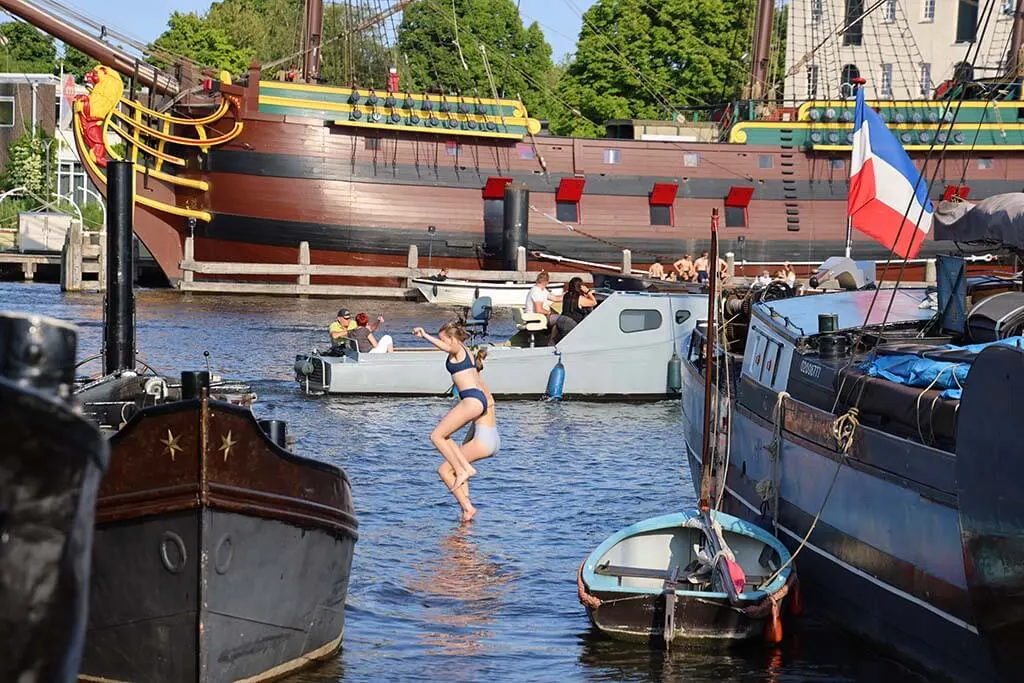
column 559, row 19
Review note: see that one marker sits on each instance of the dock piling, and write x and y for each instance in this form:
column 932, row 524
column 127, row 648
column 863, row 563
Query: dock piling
column 412, row 262
column 627, row 262
column 71, row 259
column 119, row 302
column 304, row 261
column 187, row 274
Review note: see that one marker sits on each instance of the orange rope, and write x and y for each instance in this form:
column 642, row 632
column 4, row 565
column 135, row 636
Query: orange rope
column 589, row 601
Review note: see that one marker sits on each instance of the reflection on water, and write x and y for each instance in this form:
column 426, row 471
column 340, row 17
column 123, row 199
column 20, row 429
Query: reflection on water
column 430, row 600
column 462, row 592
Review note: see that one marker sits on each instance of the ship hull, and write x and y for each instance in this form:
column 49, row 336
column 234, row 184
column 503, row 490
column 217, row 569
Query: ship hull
column 855, row 567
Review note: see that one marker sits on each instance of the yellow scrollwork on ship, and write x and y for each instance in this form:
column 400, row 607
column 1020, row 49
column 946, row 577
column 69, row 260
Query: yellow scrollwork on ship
column 93, row 109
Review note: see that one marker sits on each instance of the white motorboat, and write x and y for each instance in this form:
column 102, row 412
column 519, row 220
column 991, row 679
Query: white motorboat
column 626, row 348
column 463, row 292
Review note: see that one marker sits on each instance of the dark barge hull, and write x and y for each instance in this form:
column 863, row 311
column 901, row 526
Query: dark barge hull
column 219, row 555
column 865, row 589
column 51, row 464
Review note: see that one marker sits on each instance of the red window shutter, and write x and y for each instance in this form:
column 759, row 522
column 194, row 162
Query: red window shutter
column 570, row 189
column 739, row 196
column 495, row 187
column 663, row 194
column 958, row 191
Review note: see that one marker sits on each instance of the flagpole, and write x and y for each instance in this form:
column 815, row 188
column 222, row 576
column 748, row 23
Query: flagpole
column 849, row 236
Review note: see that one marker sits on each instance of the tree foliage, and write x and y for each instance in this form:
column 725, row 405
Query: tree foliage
column 27, row 164
column 192, row 36
column 27, row 49
column 644, row 59
column 441, row 59
column 77, row 63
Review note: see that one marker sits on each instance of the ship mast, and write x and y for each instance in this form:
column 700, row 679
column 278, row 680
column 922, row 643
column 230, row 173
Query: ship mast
column 106, row 54
column 312, row 39
column 760, row 60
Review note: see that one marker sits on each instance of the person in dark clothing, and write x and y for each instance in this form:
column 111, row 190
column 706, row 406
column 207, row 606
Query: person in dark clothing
column 577, row 302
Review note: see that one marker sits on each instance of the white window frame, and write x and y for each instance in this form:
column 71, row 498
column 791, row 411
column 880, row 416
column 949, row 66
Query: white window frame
column 885, row 89
column 812, row 81
column 14, row 111
column 928, row 10
column 816, row 11
column 926, row 79
column 889, row 16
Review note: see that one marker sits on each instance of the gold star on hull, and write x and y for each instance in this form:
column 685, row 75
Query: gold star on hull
column 171, row 446
column 225, row 445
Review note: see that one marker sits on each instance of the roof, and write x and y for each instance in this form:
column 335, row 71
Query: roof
column 25, row 79
column 799, row 315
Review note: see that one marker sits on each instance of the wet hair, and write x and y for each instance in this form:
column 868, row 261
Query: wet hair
column 478, row 358
column 575, row 286
column 543, row 276
column 362, row 319
column 456, row 328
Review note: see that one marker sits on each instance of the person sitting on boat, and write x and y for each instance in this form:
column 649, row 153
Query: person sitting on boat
column 684, row 269
column 340, row 328
column 723, row 270
column 577, row 302
column 472, row 403
column 701, row 266
column 539, row 299
column 656, row 271
column 764, row 279
column 790, row 274
column 441, row 276
column 363, row 336
column 482, row 441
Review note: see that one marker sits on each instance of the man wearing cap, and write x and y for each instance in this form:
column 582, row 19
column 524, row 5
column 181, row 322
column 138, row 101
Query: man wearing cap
column 340, row 328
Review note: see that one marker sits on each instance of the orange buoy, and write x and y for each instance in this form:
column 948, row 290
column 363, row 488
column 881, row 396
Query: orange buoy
column 773, row 629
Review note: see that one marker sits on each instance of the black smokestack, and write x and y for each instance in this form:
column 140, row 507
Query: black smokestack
column 119, row 306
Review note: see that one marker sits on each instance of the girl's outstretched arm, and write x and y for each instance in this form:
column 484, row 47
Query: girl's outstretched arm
column 439, row 343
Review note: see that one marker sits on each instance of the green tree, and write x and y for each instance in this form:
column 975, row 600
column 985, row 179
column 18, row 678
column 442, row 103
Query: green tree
column 76, row 63
column 519, row 57
column 27, row 164
column 268, row 30
column 192, row 36
column 643, row 59
column 27, row 50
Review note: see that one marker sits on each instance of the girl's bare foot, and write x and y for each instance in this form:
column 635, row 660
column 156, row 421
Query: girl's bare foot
column 463, row 477
column 468, row 514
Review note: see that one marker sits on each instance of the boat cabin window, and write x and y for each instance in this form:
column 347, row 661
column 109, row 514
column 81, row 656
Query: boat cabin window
column 682, row 317
column 661, row 215
column 639, row 320
column 735, row 217
column 762, row 361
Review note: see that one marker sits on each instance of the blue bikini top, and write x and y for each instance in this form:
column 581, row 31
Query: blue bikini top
column 466, row 363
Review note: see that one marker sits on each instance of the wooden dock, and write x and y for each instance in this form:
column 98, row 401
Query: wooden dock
column 303, row 271
column 81, row 262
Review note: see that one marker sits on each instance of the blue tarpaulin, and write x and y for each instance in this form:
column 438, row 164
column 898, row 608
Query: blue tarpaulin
column 914, row 371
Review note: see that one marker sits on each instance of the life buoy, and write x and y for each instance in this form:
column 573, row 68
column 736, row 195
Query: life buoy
column 444, row 108
column 471, row 125
column 389, row 101
column 481, row 110
column 354, row 97
column 463, row 109
column 395, row 117
column 432, row 121
column 356, row 115
column 375, row 117
column 491, row 126
column 413, row 119
column 409, row 103
column 372, row 99
column 428, row 105
column 452, row 123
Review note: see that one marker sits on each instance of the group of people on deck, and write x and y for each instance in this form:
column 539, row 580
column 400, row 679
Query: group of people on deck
column 360, row 330
column 577, row 301
column 687, row 269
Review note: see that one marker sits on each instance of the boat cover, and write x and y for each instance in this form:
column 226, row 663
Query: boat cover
column 928, row 371
column 999, row 218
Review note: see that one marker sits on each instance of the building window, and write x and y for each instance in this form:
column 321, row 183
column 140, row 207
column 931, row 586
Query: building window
column 691, row 159
column 6, row 112
column 662, row 200
column 637, row 320
column 816, row 11
column 984, row 163
column 847, row 84
column 966, row 21
column 837, row 164
column 926, row 80
column 612, row 156
column 765, row 161
column 890, row 12
column 371, row 143
column 567, row 199
column 812, row 81
column 928, row 10
column 885, row 90
column 854, row 34
column 1008, row 7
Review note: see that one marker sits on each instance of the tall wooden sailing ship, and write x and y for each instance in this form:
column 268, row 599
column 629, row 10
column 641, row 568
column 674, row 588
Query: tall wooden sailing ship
column 252, row 167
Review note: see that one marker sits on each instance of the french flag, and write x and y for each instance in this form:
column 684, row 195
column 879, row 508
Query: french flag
column 888, row 198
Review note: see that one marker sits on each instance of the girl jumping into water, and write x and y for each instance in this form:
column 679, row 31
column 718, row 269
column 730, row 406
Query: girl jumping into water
column 482, row 441
column 472, row 404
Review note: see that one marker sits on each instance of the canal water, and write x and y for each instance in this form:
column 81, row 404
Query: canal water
column 433, row 600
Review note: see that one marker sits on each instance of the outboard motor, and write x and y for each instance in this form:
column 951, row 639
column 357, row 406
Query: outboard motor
column 841, row 272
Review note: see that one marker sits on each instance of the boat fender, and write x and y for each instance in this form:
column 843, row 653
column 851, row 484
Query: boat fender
column 492, row 126
column 773, row 627
column 409, row 103
column 452, row 123
column 375, row 116
column 304, row 367
column 389, row 101
column 372, row 99
column 463, row 109
column 432, row 121
column 413, row 119
column 556, row 380
column 444, row 108
column 471, row 125
column 395, row 117
column 675, row 373
column 428, row 105
column 354, row 97
column 481, row 110
column 356, row 115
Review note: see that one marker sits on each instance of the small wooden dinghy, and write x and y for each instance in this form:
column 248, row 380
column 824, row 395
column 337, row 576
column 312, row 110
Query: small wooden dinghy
column 452, row 292
column 670, row 578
